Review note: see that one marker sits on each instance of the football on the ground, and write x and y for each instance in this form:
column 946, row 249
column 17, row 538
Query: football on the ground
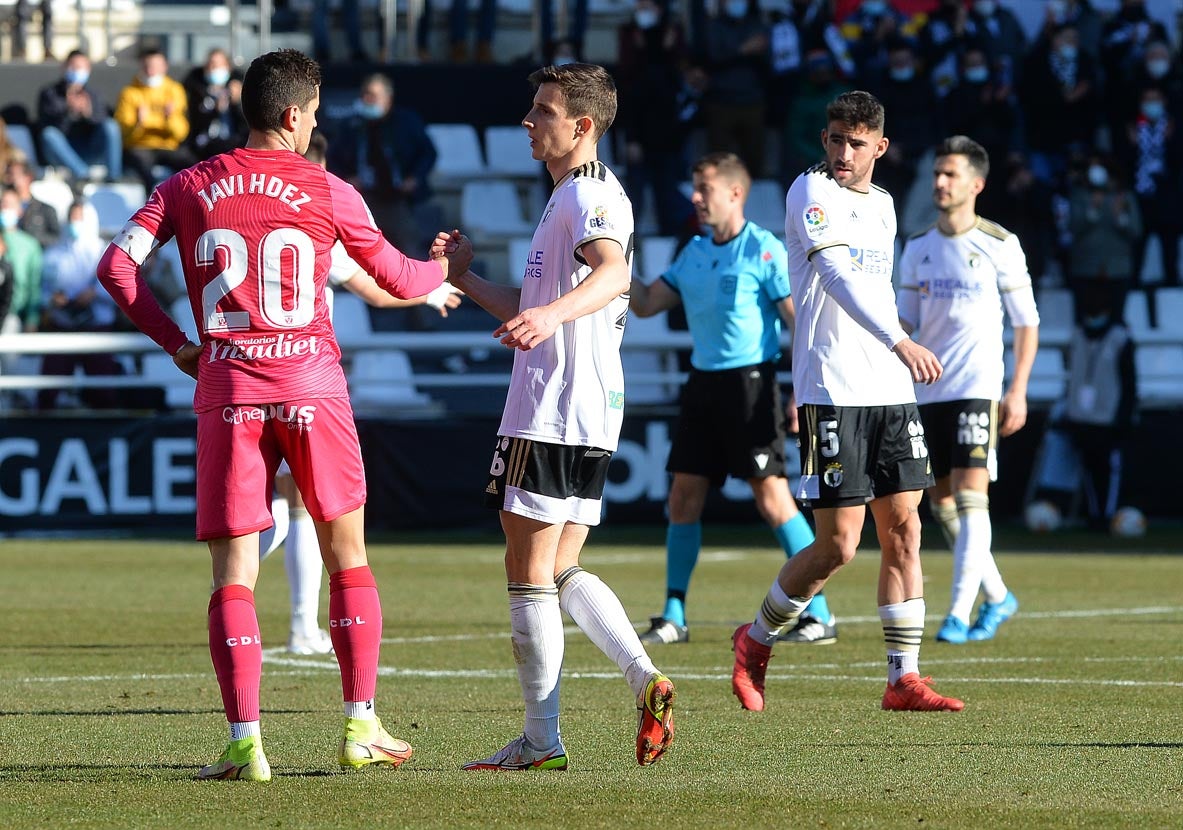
column 1042, row 517
column 1128, row 521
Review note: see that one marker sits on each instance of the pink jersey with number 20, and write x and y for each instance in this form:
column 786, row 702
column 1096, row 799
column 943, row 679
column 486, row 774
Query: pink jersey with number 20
column 255, row 229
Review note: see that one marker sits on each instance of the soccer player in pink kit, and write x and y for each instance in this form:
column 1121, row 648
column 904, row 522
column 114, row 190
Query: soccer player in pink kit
column 256, row 226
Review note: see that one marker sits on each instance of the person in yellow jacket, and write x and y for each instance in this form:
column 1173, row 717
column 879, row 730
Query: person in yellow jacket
column 152, row 117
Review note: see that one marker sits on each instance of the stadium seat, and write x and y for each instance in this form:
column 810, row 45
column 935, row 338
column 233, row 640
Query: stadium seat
column 382, row 380
column 55, row 193
column 351, row 319
column 1169, row 302
column 1055, row 316
column 21, row 137
column 508, row 152
column 178, row 386
column 493, row 209
column 657, row 252
column 115, row 203
column 639, row 363
column 766, row 206
column 1048, row 374
column 459, row 149
column 1160, row 374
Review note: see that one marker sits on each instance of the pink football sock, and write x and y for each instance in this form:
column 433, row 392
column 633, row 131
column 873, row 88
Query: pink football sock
column 237, row 651
column 355, row 626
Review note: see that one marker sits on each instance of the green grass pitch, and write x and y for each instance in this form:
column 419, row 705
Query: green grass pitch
column 1074, row 714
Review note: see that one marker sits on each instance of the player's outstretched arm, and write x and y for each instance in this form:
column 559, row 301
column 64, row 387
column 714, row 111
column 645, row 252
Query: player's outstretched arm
column 654, row 298
column 502, row 301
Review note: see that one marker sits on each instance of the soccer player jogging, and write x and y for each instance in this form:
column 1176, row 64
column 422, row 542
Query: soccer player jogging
column 862, row 441
column 955, row 279
column 734, row 286
column 562, row 418
column 255, row 227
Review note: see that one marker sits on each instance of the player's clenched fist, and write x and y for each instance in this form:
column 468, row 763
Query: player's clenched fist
column 922, row 363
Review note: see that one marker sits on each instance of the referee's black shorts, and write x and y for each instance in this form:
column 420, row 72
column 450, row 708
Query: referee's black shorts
column 732, row 422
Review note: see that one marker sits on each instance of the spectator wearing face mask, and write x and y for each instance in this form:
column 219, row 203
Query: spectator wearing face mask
column 1155, row 153
column 736, row 61
column 651, row 53
column 869, row 32
column 1079, row 13
column 1159, row 69
column 997, row 29
column 1088, row 430
column 72, row 300
column 983, row 107
column 152, row 113
column 77, row 129
column 24, row 257
column 213, row 92
column 385, row 152
column 1059, row 97
column 909, row 98
column 1106, row 228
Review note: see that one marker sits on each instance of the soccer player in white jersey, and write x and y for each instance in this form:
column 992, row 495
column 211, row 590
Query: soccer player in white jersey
column 562, row 417
column 301, row 550
column 955, row 279
column 861, row 437
column 734, row 286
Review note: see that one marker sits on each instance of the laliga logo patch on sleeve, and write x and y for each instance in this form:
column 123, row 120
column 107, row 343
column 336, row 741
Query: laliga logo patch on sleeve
column 815, row 219
column 600, row 219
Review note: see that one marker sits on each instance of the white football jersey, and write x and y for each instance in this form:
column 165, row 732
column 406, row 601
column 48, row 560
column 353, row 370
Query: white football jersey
column 959, row 284
column 835, row 360
column 570, row 389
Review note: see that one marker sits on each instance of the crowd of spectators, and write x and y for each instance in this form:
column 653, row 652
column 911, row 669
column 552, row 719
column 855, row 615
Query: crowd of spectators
column 1080, row 120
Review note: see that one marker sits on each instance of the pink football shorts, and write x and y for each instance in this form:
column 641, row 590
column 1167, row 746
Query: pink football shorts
column 240, row 446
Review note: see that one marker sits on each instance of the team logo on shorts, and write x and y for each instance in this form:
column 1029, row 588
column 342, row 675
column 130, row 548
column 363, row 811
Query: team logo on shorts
column 833, row 475
column 815, row 219
column 916, row 437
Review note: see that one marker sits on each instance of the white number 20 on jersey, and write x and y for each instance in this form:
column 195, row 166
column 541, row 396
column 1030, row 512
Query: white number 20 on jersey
column 271, row 276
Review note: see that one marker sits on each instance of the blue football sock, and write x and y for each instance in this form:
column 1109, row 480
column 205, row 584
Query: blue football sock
column 682, row 544
column 794, row 535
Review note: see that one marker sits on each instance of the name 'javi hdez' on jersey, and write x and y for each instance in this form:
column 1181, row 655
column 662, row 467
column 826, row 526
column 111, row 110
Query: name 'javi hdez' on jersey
column 835, row 359
column 952, row 292
column 570, row 388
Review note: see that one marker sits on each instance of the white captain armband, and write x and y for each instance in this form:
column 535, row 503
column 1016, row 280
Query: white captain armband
column 135, row 241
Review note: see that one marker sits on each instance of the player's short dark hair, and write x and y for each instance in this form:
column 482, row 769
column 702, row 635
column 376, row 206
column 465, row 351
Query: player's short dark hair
column 963, row 145
column 856, row 109
column 274, row 82
column 728, row 165
column 318, row 147
column 588, row 90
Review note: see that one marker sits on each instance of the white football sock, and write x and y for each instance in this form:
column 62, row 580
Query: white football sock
column 903, row 628
column 536, row 629
column 778, row 612
column 971, row 551
column 598, row 613
column 301, row 560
